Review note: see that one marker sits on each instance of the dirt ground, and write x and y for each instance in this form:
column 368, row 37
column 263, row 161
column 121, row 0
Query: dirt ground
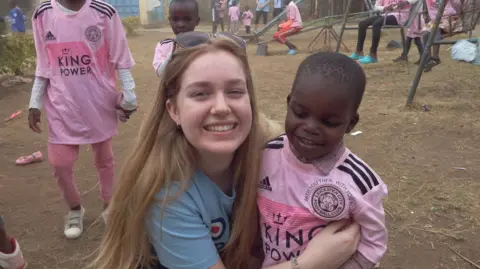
column 428, row 159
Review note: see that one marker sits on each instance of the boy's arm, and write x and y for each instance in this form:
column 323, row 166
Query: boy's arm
column 42, row 65
column 121, row 57
column 23, row 15
column 129, row 100
column 38, row 90
column 371, row 218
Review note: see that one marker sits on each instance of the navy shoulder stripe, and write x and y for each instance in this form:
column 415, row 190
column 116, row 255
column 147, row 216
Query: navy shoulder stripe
column 366, row 168
column 165, row 41
column 41, row 8
column 361, row 174
column 103, row 8
column 276, row 143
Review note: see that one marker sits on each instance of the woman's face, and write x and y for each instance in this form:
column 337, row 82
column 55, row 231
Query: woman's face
column 213, row 105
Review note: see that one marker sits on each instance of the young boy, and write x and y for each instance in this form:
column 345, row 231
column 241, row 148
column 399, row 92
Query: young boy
column 447, row 23
column 16, row 18
column 218, row 12
column 234, row 14
column 247, row 16
column 290, row 27
column 414, row 33
column 80, row 45
column 11, row 256
column 309, row 178
column 183, row 18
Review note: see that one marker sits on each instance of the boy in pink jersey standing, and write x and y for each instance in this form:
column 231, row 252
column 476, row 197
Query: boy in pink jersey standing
column 183, row 18
column 247, row 16
column 309, row 178
column 234, row 14
column 80, row 46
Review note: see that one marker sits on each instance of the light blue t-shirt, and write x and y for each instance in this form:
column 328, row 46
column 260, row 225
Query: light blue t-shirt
column 265, row 8
column 278, row 4
column 194, row 227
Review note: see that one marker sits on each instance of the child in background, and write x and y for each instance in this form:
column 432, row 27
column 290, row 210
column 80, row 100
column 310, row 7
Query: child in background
column 183, row 17
column 16, row 18
column 309, row 178
column 247, row 16
column 289, row 27
column 234, row 14
column 11, row 256
column 218, row 14
column 447, row 23
column 414, row 33
column 80, row 44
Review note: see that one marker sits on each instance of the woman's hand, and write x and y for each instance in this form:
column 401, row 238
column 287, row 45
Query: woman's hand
column 332, row 247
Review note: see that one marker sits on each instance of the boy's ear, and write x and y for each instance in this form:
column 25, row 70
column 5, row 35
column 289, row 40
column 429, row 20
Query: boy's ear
column 353, row 122
column 198, row 21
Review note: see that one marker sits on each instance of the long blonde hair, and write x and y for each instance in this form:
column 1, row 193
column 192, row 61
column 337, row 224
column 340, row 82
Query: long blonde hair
column 162, row 154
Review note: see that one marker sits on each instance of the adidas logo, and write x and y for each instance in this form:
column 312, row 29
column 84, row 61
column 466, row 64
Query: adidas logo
column 50, row 36
column 265, row 184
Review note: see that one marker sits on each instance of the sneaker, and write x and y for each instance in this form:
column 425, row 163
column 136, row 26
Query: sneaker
column 368, row 60
column 74, row 224
column 355, row 56
column 432, row 62
column 13, row 260
column 292, row 52
column 401, row 58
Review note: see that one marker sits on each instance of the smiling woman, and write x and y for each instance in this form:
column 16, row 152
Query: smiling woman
column 189, row 188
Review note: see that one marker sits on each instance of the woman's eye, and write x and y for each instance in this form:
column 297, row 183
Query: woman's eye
column 199, row 94
column 236, row 92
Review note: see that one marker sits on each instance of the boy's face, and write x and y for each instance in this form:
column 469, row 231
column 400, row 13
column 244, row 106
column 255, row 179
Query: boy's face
column 286, row 2
column 12, row 3
column 183, row 17
column 317, row 119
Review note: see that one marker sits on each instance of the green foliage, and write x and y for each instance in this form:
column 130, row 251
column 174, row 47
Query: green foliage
column 131, row 24
column 17, row 52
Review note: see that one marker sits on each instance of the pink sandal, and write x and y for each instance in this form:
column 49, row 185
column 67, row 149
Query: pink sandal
column 34, row 158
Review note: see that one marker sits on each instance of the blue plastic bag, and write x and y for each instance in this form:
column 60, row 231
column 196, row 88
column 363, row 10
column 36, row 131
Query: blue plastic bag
column 463, row 50
column 477, row 58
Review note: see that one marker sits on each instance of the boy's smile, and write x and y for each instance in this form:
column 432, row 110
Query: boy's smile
column 317, row 119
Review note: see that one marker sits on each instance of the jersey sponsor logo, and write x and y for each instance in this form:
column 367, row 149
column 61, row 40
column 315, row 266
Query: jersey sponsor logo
column 93, row 34
column 50, row 37
column 74, row 65
column 265, row 184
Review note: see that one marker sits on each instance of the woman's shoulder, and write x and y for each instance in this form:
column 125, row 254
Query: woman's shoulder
column 187, row 194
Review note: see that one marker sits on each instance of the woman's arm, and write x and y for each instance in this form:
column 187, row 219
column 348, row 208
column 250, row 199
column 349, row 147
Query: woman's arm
column 339, row 236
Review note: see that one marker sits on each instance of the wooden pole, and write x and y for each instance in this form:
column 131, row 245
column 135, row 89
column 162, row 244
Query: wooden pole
column 344, row 23
column 166, row 9
column 423, row 60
